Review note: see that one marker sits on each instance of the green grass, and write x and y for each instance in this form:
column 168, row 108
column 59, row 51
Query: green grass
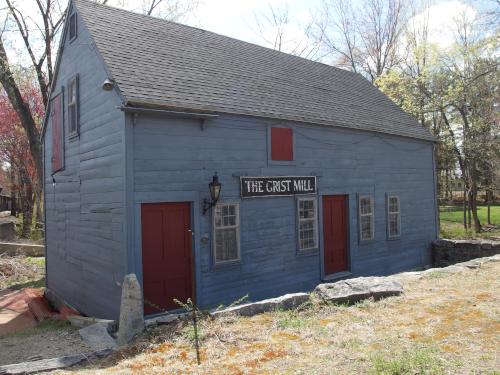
column 452, row 222
column 455, row 214
column 418, row 361
column 290, row 319
column 39, row 283
column 37, row 261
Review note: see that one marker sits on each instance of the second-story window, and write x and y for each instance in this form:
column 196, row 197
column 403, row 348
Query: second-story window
column 282, row 144
column 73, row 107
column 72, row 27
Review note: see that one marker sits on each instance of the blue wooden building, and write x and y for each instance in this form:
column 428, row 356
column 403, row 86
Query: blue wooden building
column 322, row 176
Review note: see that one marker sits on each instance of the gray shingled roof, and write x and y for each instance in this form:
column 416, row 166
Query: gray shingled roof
column 166, row 64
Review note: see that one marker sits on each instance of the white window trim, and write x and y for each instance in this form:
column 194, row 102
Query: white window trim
column 372, row 215
column 389, row 196
column 315, row 220
column 214, row 229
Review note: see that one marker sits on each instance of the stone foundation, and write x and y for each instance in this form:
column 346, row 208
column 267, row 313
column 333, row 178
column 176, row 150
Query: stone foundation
column 448, row 252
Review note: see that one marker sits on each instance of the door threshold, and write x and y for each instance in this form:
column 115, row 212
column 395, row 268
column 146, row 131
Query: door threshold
column 337, row 276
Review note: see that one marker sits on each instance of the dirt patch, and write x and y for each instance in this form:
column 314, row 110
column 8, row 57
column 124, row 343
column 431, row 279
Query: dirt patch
column 444, row 325
column 48, row 340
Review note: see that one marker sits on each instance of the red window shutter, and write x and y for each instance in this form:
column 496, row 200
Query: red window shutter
column 57, row 133
column 281, row 144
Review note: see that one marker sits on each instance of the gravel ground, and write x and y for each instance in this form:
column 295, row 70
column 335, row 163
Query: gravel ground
column 49, row 340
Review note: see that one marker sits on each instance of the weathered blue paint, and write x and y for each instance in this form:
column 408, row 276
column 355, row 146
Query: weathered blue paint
column 84, row 209
column 122, row 159
column 172, row 155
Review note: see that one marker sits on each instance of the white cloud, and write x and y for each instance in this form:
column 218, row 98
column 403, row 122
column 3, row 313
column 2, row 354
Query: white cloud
column 442, row 20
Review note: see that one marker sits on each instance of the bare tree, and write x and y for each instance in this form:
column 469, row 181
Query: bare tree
column 39, row 30
column 38, row 33
column 172, row 10
column 364, row 39
column 274, row 27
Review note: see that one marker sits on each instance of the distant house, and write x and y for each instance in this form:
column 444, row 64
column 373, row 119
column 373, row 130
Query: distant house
column 322, row 176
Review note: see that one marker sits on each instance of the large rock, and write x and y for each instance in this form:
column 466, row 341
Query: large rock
column 97, row 337
column 162, row 319
column 131, row 310
column 353, row 290
column 286, row 302
column 7, row 231
column 79, row 321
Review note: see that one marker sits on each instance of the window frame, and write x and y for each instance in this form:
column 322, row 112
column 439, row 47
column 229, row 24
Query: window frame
column 314, row 220
column 75, row 80
column 270, row 160
column 215, row 262
column 62, row 129
column 388, row 218
column 75, row 18
column 372, row 221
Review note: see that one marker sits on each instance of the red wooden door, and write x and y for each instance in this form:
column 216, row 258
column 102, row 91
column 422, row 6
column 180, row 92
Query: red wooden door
column 166, row 255
column 335, row 233
column 57, row 133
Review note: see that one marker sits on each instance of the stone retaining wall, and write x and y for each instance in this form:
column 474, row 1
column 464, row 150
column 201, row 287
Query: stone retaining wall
column 26, row 249
column 448, row 252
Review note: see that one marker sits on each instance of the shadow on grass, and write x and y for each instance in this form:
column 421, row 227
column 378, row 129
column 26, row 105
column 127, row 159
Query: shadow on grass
column 42, row 327
column 40, row 283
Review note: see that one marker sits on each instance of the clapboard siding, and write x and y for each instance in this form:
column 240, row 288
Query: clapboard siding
column 172, row 155
column 84, row 209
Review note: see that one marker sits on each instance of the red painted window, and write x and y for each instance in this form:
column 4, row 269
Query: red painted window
column 281, row 144
column 57, row 134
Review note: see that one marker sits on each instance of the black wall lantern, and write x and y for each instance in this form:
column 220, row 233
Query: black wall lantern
column 214, row 188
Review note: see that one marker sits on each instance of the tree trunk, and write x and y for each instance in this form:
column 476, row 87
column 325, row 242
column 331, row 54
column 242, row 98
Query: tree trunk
column 473, row 206
column 13, row 197
column 464, row 202
column 23, row 111
column 469, row 201
column 27, row 201
column 39, row 212
column 489, row 197
column 28, row 212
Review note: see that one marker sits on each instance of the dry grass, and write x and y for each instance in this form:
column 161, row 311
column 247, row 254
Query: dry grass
column 444, row 324
column 20, row 271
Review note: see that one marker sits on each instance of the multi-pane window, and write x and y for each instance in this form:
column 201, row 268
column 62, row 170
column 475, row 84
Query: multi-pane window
column 307, row 223
column 226, row 236
column 73, row 106
column 393, row 216
column 366, row 222
column 72, row 27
